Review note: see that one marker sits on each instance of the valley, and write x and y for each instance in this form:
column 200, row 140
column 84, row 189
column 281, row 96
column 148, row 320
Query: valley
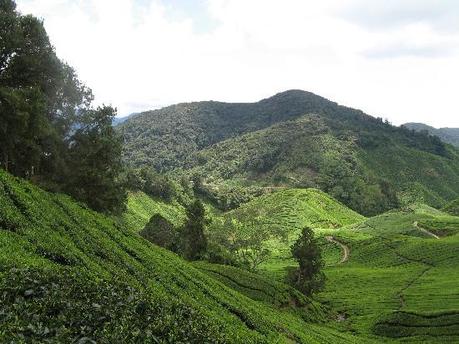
column 291, row 219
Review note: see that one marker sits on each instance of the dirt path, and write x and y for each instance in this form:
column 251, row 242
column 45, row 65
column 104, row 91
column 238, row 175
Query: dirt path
column 346, row 250
column 415, row 224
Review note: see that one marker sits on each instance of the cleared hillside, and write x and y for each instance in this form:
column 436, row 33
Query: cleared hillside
column 69, row 274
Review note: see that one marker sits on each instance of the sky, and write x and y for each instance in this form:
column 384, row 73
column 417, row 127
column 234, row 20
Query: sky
column 396, row 59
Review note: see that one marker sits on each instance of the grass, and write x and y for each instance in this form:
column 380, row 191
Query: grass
column 141, row 207
column 398, row 276
column 69, row 274
column 397, row 269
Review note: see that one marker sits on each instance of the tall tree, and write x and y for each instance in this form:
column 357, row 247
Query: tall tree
column 308, row 277
column 39, row 96
column 194, row 242
column 94, row 162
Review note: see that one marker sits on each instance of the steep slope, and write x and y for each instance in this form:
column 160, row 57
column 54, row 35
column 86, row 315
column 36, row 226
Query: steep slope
column 448, row 135
column 452, row 207
column 141, row 207
column 297, row 139
column 68, row 274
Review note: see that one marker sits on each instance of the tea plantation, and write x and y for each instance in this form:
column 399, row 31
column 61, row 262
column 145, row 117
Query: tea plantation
column 69, row 274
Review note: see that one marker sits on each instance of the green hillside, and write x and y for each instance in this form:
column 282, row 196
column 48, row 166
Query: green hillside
column 400, row 278
column 69, row 274
column 279, row 217
column 448, row 135
column 452, row 207
column 292, row 209
column 141, row 207
column 297, row 139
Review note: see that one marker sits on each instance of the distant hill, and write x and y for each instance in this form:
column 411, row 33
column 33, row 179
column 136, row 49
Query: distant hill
column 119, row 120
column 297, row 139
column 448, row 135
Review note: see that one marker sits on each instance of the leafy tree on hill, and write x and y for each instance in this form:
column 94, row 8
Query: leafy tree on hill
column 308, row 277
column 151, row 182
column 48, row 131
column 161, row 232
column 194, row 241
column 244, row 240
column 95, row 162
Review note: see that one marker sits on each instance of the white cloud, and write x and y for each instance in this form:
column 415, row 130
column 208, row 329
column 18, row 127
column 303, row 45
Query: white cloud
column 392, row 59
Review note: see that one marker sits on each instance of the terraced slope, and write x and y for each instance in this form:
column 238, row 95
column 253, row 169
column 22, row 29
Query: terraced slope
column 400, row 281
column 293, row 209
column 283, row 214
column 141, row 207
column 68, row 274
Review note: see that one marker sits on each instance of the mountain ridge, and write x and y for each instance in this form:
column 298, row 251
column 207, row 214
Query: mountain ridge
column 446, row 134
column 296, row 139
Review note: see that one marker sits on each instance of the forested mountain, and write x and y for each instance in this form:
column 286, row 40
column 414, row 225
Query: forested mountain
column 299, row 139
column 448, row 135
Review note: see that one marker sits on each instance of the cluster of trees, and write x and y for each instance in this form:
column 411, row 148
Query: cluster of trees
column 233, row 245
column 223, row 196
column 49, row 131
column 151, row 182
column 189, row 241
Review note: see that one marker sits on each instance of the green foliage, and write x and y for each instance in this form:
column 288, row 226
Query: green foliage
column 193, row 240
column 150, row 182
column 399, row 280
column 161, row 232
column 260, row 288
column 70, row 272
column 448, row 135
column 452, row 208
column 244, row 241
column 308, row 276
column 141, row 207
column 262, row 230
column 95, row 163
column 80, row 309
column 48, row 131
column 295, row 139
column 225, row 196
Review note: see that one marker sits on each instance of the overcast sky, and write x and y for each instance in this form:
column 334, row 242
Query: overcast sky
column 397, row 59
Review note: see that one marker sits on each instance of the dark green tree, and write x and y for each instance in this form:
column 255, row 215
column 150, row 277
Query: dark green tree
column 94, row 162
column 40, row 97
column 194, row 241
column 161, row 232
column 308, row 277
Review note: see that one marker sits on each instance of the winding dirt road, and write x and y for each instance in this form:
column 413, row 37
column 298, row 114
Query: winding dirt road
column 346, row 250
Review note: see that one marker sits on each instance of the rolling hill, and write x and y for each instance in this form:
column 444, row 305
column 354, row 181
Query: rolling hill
column 448, row 135
column 399, row 279
column 69, row 274
column 393, row 275
column 297, row 139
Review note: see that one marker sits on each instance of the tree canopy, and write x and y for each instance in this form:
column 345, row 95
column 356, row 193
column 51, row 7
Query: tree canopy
column 48, row 131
